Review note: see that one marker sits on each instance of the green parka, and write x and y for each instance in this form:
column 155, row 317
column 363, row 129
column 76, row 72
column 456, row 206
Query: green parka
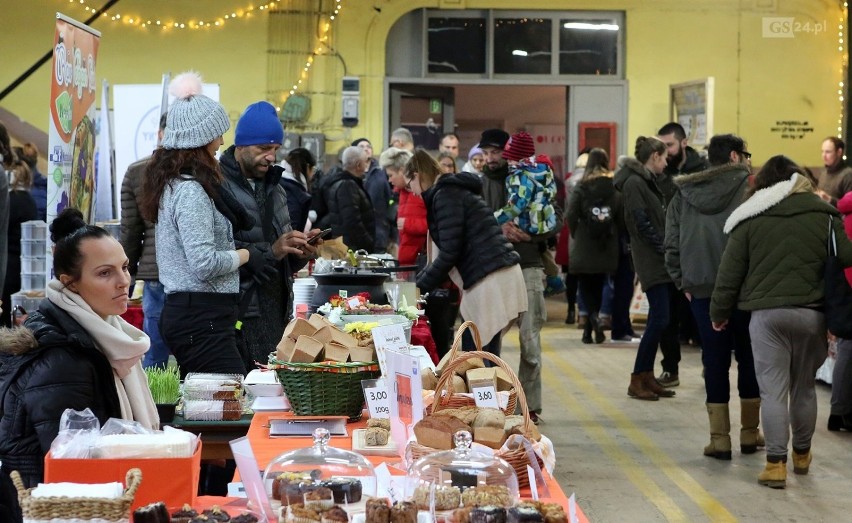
column 776, row 250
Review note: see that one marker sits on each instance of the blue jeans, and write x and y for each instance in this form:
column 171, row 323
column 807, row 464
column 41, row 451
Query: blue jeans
column 716, row 350
column 153, row 297
column 658, row 330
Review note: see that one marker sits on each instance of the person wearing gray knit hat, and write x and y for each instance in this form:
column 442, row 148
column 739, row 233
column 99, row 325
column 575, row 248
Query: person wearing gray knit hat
column 194, row 120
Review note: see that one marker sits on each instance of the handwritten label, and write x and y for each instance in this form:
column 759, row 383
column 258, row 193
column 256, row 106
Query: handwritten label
column 376, row 394
column 485, row 396
column 390, row 337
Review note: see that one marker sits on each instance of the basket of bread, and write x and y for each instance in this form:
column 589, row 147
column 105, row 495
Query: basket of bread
column 489, row 426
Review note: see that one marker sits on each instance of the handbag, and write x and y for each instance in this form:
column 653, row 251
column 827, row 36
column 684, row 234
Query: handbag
column 838, row 294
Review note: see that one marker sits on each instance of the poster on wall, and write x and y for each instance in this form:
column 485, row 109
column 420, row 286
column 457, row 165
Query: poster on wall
column 71, row 131
column 691, row 105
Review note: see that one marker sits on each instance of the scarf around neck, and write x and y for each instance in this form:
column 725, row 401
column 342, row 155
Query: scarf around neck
column 123, row 345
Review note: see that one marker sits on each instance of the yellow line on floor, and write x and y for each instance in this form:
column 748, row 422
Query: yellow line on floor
column 711, row 506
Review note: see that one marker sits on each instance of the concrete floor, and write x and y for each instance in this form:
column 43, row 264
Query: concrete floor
column 630, row 460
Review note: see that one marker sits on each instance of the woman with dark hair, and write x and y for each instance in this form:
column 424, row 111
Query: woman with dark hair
column 298, row 174
column 773, row 266
column 645, row 218
column 76, row 351
column 22, row 208
column 593, row 213
column 194, row 234
column 472, row 250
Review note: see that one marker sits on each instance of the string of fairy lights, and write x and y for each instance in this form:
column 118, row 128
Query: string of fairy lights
column 841, row 47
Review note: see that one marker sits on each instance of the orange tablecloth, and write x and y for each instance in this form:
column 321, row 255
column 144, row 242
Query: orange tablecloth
column 266, row 449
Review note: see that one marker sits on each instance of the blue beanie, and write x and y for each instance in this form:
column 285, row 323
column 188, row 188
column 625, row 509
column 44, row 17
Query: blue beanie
column 258, row 125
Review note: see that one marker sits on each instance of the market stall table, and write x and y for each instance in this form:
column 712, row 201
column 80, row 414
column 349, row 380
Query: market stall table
column 216, row 435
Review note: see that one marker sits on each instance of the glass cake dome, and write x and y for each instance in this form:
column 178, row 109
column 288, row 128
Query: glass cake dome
column 319, row 476
column 463, row 476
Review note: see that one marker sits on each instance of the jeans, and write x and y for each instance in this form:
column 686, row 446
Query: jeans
column 658, row 331
column 494, row 346
column 841, row 380
column 716, row 354
column 605, row 307
column 153, row 298
column 529, row 369
column 622, row 295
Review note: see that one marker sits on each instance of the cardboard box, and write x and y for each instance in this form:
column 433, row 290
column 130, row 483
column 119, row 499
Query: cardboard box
column 336, row 352
column 318, row 321
column 284, row 349
column 481, row 377
column 504, row 382
column 173, row 481
column 362, row 353
column 299, row 327
column 307, row 350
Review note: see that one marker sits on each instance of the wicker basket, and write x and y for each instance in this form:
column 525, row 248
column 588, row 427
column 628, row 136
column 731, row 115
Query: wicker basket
column 451, row 401
column 325, row 389
column 518, row 458
column 45, row 509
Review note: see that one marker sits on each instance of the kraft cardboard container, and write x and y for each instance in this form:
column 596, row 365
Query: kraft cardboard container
column 504, row 382
column 318, row 321
column 299, row 327
column 336, row 352
column 362, row 353
column 307, row 350
column 284, row 349
column 481, row 377
column 173, row 481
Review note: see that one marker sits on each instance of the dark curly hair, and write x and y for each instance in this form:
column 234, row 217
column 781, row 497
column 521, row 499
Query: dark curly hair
column 166, row 165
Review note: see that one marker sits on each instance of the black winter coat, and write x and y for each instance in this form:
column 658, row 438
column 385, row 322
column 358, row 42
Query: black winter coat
column 298, row 201
column 350, row 212
column 590, row 253
column 45, row 368
column 464, row 228
column 137, row 234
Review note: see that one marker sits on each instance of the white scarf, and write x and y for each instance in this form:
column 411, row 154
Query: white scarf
column 124, row 346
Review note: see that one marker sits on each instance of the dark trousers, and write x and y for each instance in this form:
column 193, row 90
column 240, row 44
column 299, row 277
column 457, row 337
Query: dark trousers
column 199, row 328
column 494, row 346
column 658, row 330
column 621, row 297
column 442, row 309
column 716, row 348
column 669, row 342
column 687, row 324
column 591, row 288
column 571, row 286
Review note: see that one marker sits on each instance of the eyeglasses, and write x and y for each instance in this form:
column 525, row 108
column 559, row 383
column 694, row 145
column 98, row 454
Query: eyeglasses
column 746, row 154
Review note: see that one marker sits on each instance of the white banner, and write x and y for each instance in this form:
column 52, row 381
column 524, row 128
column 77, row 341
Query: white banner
column 106, row 199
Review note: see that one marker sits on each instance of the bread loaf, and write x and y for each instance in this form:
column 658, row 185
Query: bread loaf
column 490, row 418
column 437, row 431
column 515, row 425
column 489, row 436
column 428, row 379
column 458, row 384
column 382, row 423
column 376, row 437
column 466, row 414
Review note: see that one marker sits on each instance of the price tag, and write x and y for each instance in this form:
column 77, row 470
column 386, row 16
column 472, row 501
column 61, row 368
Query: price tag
column 390, row 337
column 343, row 293
column 354, row 303
column 376, row 394
column 485, row 396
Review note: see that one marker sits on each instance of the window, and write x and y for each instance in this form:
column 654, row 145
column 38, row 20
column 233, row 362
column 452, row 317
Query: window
column 522, row 45
column 456, row 45
column 588, row 46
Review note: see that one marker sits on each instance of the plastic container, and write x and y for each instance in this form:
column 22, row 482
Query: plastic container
column 22, row 304
column 320, row 474
column 113, row 228
column 33, row 248
column 381, row 319
column 35, row 264
column 209, row 386
column 33, row 281
column 34, row 230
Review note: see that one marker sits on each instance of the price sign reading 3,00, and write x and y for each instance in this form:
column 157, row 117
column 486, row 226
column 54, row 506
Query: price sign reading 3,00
column 485, row 396
column 376, row 395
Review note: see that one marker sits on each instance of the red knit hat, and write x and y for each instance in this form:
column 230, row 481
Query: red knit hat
column 519, row 146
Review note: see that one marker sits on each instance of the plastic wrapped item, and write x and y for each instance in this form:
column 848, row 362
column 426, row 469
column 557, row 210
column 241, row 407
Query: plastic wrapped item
column 78, row 432
column 460, row 477
column 212, row 410
column 320, row 475
column 203, row 386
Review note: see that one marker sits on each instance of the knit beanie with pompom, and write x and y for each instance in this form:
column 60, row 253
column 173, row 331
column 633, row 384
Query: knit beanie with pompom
column 194, row 120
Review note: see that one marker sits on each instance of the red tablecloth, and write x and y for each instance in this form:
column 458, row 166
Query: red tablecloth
column 134, row 316
column 421, row 334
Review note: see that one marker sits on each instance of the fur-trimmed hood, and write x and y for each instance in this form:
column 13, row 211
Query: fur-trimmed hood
column 17, row 341
column 714, row 190
column 765, row 199
column 627, row 167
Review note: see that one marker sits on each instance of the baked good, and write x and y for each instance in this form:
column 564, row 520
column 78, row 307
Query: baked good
column 344, row 490
column 245, row 518
column 428, row 379
column 200, row 518
column 382, row 423
column 494, row 418
column 232, row 410
column 217, row 514
column 466, row 414
column 489, row 436
column 458, row 384
column 153, row 513
column 378, row 510
column 515, row 425
column 488, row 514
column 446, row 498
column 524, row 514
column 319, row 498
column 487, row 495
column 335, row 515
column 437, row 431
column 376, row 436
column 403, row 512
column 298, row 513
column 462, row 515
column 553, row 513
column 184, row 514
column 294, row 493
column 281, row 484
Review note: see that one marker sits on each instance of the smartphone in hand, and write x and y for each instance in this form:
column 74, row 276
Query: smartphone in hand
column 318, row 236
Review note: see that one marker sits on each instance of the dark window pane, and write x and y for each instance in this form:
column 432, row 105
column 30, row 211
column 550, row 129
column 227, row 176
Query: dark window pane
column 588, row 47
column 456, row 45
column 522, row 46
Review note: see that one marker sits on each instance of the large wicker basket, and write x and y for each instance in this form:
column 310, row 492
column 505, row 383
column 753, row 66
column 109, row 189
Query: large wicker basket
column 450, row 401
column 518, row 458
column 325, row 389
column 45, row 509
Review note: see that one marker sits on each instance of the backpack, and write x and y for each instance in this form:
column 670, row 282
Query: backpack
column 598, row 217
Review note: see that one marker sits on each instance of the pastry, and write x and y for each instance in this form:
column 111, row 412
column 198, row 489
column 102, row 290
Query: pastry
column 437, row 431
column 378, row 510
column 462, row 515
column 488, row 514
column 553, row 513
column 153, row 513
column 403, row 512
column 345, row 490
column 298, row 513
column 200, row 518
column 487, row 495
column 319, row 498
column 245, row 518
column 376, row 437
column 232, row 410
column 382, row 423
column 294, row 493
column 184, row 514
column 524, row 514
column 217, row 514
column 446, row 498
column 335, row 515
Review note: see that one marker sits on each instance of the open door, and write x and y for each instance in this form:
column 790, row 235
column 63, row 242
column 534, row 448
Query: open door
column 427, row 111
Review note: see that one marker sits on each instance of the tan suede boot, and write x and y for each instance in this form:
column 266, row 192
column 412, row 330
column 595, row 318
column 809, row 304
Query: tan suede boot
column 720, row 432
column 774, row 475
column 651, row 384
column 802, row 462
column 638, row 390
column 750, row 436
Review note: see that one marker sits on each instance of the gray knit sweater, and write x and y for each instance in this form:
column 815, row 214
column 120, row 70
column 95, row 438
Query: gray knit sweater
column 195, row 243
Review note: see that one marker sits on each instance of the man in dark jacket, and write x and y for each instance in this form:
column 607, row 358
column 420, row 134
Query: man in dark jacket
column 378, row 188
column 350, row 212
column 137, row 238
column 695, row 242
column 252, row 179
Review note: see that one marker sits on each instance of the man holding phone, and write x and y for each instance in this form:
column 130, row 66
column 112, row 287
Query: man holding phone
column 252, row 179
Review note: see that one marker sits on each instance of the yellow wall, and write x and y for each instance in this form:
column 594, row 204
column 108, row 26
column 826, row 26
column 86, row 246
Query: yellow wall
column 758, row 80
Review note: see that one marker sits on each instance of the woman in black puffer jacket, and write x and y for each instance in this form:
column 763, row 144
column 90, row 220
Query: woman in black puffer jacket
column 472, row 250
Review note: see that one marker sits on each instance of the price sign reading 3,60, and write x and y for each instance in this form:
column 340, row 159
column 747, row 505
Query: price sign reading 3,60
column 485, row 396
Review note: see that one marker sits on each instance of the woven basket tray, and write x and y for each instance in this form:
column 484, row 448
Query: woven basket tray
column 518, row 458
column 325, row 389
column 452, row 401
column 78, row 508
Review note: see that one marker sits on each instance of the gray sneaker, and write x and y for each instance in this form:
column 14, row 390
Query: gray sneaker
column 668, row 380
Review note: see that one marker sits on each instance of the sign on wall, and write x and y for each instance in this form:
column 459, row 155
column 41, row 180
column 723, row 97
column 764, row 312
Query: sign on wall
column 71, row 131
column 691, row 105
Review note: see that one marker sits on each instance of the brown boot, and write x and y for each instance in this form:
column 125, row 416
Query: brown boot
column 775, row 474
column 638, row 390
column 750, row 436
column 651, row 384
column 720, row 432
